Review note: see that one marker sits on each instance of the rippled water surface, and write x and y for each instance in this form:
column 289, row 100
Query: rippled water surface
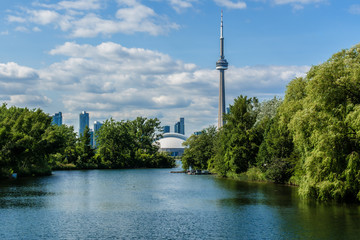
column 156, row 204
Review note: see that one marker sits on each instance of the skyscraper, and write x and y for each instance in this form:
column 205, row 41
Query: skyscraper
column 57, row 119
column 83, row 121
column 91, row 137
column 180, row 126
column 221, row 65
column 166, row 129
column 97, row 126
column 177, row 127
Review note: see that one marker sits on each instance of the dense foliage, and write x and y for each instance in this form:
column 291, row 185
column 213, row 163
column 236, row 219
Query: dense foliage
column 310, row 139
column 26, row 140
column 30, row 145
column 130, row 144
column 199, row 149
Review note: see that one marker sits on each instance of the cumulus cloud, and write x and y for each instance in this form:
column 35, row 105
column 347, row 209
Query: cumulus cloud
column 29, row 100
column 231, row 4
column 297, row 4
column 19, row 84
column 70, row 5
column 354, row 9
column 81, row 19
column 297, row 1
column 13, row 72
column 180, row 5
column 109, row 79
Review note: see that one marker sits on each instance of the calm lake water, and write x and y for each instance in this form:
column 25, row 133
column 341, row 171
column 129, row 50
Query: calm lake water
column 155, row 204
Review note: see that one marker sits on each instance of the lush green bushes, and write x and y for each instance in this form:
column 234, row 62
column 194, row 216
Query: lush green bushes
column 130, row 144
column 26, row 141
column 311, row 139
column 199, row 149
column 30, row 145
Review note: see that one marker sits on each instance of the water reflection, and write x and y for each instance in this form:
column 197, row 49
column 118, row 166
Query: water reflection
column 24, row 193
column 293, row 216
column 154, row 204
column 253, row 193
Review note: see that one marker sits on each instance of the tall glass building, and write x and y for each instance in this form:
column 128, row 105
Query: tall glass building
column 97, row 126
column 180, row 126
column 83, row 121
column 166, row 129
column 57, row 119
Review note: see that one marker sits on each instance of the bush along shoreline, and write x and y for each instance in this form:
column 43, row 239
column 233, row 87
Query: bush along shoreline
column 311, row 138
column 31, row 146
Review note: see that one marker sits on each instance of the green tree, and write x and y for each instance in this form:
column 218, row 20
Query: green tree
column 238, row 140
column 65, row 141
column 325, row 128
column 276, row 156
column 85, row 151
column 199, row 149
column 131, row 144
column 25, row 144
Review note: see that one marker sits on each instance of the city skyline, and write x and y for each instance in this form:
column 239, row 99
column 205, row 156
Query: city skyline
column 123, row 59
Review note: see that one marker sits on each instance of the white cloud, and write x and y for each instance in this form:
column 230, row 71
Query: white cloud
column 19, row 84
column 354, row 9
column 230, row 4
column 180, row 5
column 80, row 4
column 112, row 80
column 16, row 19
column 72, row 5
column 21, row 29
column 297, row 4
column 36, row 29
column 29, row 100
column 43, row 17
column 297, row 1
column 81, row 19
column 13, row 72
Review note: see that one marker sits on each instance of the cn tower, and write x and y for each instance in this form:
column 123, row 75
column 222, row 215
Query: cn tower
column 221, row 65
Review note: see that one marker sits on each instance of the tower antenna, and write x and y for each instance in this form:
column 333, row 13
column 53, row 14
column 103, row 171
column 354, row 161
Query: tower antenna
column 221, row 65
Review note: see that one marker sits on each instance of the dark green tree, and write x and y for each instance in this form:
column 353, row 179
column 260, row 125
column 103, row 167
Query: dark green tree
column 199, row 149
column 25, row 143
column 238, row 141
column 85, row 151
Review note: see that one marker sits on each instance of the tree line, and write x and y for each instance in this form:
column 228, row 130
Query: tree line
column 31, row 145
column 310, row 139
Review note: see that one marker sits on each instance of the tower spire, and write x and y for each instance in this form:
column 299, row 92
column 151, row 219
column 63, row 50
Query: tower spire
column 221, row 65
column 221, row 27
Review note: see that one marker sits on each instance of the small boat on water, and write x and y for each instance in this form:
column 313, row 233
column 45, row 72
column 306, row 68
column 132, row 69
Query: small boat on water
column 198, row 172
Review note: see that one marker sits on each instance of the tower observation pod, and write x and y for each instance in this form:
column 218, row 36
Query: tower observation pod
column 221, row 65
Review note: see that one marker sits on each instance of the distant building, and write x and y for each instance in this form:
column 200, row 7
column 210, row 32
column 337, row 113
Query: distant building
column 57, row 119
column 197, row 133
column 172, row 143
column 97, row 126
column 166, row 129
column 83, row 122
column 177, row 127
column 180, row 126
column 227, row 110
column 91, row 137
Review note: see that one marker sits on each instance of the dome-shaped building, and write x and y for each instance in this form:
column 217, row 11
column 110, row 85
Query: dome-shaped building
column 172, row 143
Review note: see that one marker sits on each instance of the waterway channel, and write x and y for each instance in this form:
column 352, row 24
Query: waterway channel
column 157, row 204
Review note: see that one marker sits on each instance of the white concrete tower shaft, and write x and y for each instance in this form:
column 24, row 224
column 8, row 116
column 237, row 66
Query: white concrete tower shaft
column 221, row 65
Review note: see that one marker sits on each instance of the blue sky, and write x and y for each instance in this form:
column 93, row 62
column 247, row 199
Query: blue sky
column 156, row 58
